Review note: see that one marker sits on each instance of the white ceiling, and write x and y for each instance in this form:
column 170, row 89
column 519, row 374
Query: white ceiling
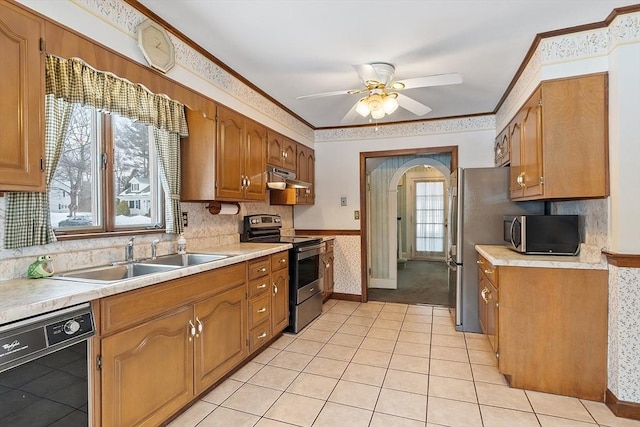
column 289, row 48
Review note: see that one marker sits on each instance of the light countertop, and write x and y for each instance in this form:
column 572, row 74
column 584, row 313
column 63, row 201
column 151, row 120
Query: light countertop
column 500, row 255
column 21, row 298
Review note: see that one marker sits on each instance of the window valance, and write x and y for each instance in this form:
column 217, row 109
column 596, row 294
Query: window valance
column 77, row 82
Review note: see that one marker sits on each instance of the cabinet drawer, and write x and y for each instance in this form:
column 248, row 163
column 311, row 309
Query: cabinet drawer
column 258, row 286
column 259, row 310
column 279, row 261
column 488, row 269
column 259, row 268
column 259, row 336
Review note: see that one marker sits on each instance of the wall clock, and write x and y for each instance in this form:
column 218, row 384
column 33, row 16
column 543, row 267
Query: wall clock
column 156, row 46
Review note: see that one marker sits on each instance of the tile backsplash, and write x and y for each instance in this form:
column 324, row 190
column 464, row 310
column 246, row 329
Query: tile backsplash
column 204, row 230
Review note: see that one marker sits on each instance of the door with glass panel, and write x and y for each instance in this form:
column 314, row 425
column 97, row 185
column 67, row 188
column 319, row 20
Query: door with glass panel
column 429, row 225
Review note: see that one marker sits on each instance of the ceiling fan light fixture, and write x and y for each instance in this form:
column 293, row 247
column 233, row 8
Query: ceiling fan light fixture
column 397, row 86
column 376, row 103
column 377, row 114
column 363, row 107
column 390, row 103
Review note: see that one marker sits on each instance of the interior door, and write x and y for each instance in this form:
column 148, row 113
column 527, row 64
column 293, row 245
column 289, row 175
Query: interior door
column 429, row 219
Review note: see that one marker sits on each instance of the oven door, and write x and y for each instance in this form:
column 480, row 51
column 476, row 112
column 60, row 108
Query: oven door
column 306, row 272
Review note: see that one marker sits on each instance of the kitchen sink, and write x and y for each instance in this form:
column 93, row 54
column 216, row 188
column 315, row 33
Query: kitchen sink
column 113, row 273
column 184, row 260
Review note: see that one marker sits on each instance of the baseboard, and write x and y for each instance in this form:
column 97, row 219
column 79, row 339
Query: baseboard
column 621, row 408
column 346, row 297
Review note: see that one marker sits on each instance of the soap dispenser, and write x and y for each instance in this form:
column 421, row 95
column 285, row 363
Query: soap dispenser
column 182, row 244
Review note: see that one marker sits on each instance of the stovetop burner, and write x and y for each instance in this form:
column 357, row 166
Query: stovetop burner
column 265, row 228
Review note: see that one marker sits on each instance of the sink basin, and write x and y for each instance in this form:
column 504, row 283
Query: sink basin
column 184, row 260
column 113, row 273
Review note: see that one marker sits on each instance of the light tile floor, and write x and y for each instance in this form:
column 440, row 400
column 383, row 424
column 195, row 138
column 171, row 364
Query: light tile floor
column 383, row 365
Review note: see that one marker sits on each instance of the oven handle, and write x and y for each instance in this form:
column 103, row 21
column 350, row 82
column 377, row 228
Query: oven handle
column 305, row 252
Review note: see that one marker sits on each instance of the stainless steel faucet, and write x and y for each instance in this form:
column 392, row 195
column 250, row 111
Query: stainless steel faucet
column 128, row 250
column 154, row 247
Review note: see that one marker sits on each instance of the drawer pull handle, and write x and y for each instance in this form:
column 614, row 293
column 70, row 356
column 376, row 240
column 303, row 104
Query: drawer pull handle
column 262, row 335
column 261, row 286
column 480, row 262
column 262, row 310
column 275, row 289
column 262, row 270
column 327, row 265
column 520, row 180
column 282, row 261
column 489, row 271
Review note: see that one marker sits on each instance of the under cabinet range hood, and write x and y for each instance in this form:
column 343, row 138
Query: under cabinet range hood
column 279, row 179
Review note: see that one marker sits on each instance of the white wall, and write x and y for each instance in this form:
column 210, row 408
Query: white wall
column 338, row 171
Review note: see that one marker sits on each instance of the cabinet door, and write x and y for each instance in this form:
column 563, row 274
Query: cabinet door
column 305, row 172
column 222, row 341
column 516, row 171
column 22, row 104
column 483, row 288
column 147, row 371
column 501, row 148
column 531, row 150
column 492, row 315
column 230, row 154
column 279, row 300
column 289, row 148
column 275, row 149
column 255, row 165
column 197, row 154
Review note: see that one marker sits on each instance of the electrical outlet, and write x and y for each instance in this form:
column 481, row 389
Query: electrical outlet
column 356, row 214
column 343, row 200
column 185, row 219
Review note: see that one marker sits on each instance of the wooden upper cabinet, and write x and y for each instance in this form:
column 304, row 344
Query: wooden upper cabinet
column 559, row 141
column 281, row 151
column 254, row 161
column 240, row 157
column 502, row 148
column 306, row 172
column 22, row 100
column 198, row 158
column 230, row 178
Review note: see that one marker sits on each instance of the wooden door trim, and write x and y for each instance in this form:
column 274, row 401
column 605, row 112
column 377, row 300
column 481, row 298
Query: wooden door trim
column 453, row 149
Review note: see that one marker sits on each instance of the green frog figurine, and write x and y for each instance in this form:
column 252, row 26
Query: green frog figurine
column 42, row 267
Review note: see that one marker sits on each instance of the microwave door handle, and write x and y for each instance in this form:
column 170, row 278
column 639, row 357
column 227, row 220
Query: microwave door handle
column 513, row 225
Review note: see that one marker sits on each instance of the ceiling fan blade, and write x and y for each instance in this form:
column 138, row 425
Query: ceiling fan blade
column 351, row 115
column 434, row 80
column 412, row 105
column 334, row 93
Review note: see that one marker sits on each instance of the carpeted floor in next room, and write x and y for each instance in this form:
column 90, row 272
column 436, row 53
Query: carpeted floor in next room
column 419, row 282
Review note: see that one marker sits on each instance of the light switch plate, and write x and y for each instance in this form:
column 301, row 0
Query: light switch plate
column 185, row 219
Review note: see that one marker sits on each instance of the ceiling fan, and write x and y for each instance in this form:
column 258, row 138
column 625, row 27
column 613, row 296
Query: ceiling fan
column 382, row 92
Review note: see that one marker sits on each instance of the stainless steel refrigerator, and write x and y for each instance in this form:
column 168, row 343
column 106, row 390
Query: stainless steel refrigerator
column 478, row 199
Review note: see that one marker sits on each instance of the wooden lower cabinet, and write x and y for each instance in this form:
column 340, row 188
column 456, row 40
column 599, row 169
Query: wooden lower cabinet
column 147, row 371
column 222, row 343
column 279, row 293
column 164, row 344
column 550, row 329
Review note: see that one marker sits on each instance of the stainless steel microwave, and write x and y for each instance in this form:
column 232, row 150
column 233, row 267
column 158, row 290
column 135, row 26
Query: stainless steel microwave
column 542, row 234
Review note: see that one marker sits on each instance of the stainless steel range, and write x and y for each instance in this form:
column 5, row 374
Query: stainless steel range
column 305, row 266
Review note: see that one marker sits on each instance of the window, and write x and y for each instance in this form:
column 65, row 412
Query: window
column 108, row 166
